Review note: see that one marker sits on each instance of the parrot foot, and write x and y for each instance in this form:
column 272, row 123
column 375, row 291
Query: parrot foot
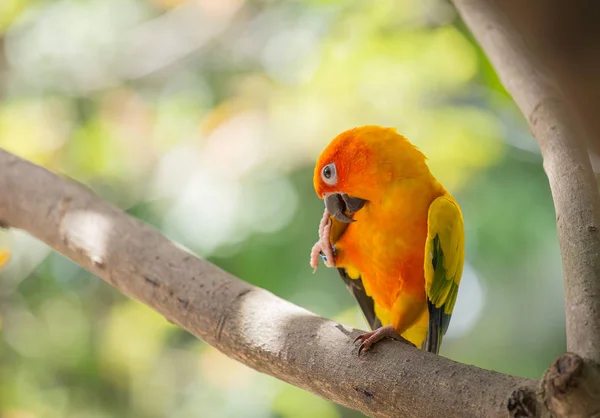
column 368, row 339
column 323, row 247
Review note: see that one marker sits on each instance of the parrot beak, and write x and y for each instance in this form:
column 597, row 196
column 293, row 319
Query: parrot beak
column 337, row 203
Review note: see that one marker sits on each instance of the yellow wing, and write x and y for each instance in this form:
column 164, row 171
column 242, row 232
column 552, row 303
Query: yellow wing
column 444, row 258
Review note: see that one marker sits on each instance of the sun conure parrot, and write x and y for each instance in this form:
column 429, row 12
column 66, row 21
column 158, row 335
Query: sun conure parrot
column 393, row 232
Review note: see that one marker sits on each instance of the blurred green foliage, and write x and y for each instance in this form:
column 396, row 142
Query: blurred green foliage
column 204, row 118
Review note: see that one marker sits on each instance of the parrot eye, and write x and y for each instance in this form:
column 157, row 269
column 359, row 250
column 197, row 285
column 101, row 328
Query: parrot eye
column 329, row 174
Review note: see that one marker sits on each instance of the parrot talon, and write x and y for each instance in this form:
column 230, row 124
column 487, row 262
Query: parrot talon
column 324, row 257
column 368, row 339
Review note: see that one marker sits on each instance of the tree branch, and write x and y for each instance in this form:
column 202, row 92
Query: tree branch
column 570, row 386
column 566, row 161
column 246, row 323
column 565, row 35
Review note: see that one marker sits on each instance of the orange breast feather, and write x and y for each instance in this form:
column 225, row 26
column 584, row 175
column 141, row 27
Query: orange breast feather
column 385, row 246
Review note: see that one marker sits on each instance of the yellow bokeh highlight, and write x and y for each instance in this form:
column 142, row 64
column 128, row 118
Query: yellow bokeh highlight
column 6, row 242
column 132, row 339
column 10, row 11
column 34, row 129
column 223, row 372
column 4, row 257
column 292, row 402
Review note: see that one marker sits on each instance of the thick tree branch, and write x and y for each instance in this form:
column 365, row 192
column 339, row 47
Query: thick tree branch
column 246, row 323
column 570, row 387
column 561, row 139
column 566, row 37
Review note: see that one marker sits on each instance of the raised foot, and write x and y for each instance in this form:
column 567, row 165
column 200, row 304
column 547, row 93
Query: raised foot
column 323, row 247
column 368, row 339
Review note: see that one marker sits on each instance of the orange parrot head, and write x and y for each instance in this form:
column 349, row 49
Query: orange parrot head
column 360, row 164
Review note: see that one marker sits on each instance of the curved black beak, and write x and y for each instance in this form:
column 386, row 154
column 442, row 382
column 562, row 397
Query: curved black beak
column 340, row 206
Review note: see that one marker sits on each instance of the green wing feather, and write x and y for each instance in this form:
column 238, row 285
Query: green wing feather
column 444, row 259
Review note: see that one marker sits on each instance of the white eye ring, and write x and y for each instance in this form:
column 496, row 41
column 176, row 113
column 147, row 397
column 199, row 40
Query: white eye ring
column 329, row 174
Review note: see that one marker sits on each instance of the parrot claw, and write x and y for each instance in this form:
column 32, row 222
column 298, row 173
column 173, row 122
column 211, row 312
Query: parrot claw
column 368, row 339
column 362, row 347
column 324, row 257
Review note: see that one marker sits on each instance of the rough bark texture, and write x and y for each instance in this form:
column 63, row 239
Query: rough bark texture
column 566, row 161
column 248, row 324
column 571, row 389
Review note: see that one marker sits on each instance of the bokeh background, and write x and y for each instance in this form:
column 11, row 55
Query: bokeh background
column 204, row 118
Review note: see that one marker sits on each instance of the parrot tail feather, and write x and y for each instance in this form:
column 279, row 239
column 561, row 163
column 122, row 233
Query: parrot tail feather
column 436, row 328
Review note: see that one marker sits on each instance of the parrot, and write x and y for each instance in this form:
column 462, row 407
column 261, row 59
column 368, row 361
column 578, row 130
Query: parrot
column 394, row 234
